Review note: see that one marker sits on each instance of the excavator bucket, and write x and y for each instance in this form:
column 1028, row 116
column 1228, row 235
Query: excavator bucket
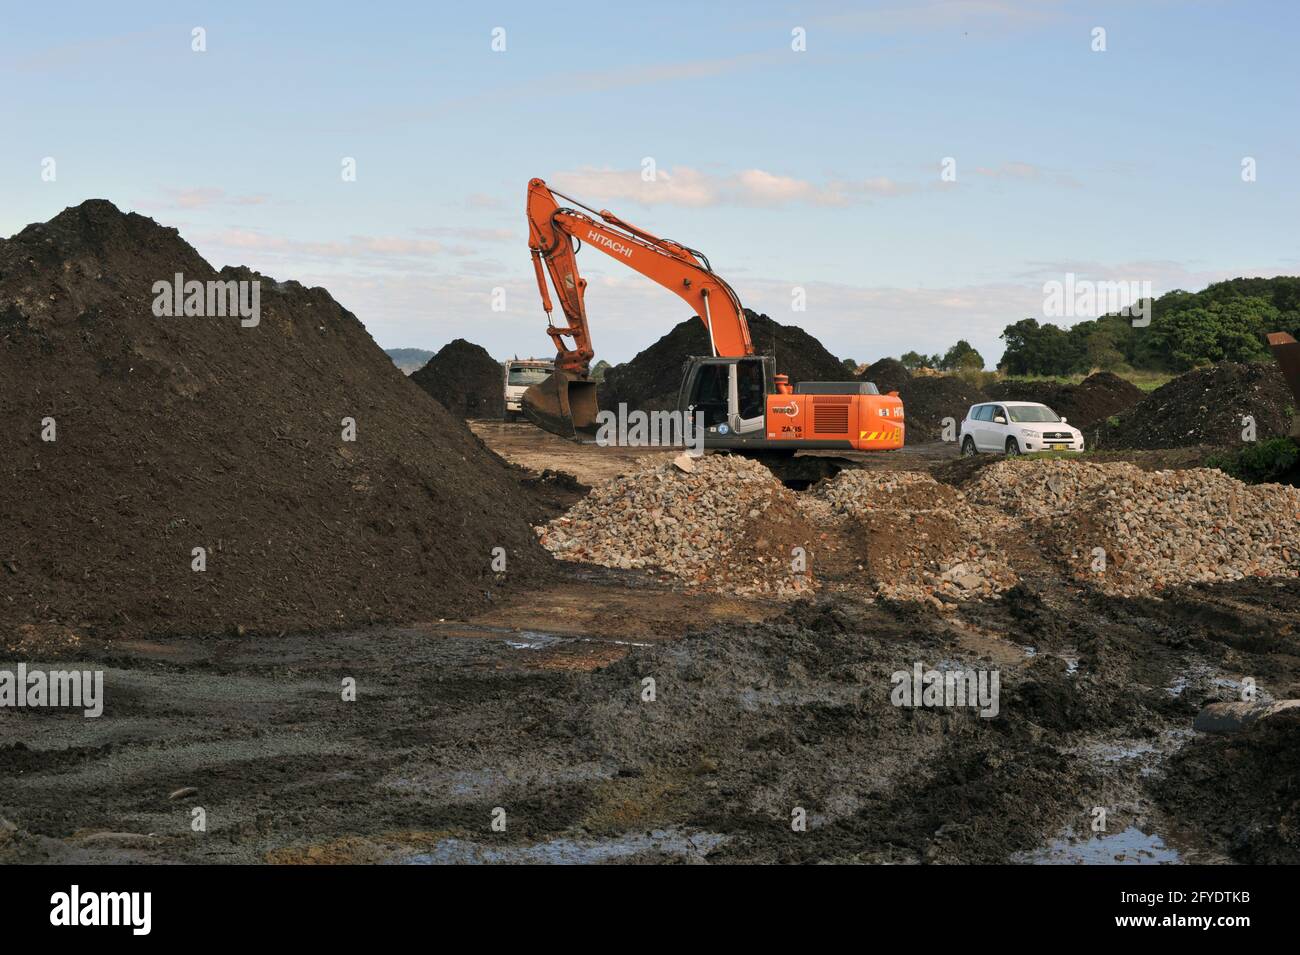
column 1287, row 352
column 563, row 404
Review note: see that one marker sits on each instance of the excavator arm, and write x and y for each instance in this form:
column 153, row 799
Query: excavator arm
column 566, row 402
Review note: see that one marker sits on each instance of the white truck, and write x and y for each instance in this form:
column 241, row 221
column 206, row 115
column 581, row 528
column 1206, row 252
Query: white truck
column 520, row 375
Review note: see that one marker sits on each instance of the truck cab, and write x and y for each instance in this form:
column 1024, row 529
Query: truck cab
column 520, row 375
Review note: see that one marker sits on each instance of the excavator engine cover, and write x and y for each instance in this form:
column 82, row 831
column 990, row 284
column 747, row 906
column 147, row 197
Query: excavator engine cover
column 563, row 404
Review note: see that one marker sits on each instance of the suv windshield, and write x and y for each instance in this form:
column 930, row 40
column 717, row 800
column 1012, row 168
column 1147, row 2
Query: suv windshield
column 1024, row 413
column 528, row 376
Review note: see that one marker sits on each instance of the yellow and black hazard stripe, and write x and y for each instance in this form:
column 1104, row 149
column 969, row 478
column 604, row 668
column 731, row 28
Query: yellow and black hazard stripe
column 878, row 435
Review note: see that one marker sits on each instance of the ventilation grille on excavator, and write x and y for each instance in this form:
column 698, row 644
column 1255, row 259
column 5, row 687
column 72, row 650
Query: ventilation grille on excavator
column 831, row 419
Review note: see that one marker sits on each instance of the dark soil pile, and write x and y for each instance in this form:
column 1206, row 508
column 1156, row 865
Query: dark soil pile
column 1086, row 404
column 651, row 380
column 1206, row 406
column 1252, row 781
column 888, row 374
column 178, row 433
column 928, row 399
column 466, row 379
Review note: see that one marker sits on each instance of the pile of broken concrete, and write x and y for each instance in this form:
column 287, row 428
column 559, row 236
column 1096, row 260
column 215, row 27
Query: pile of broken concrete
column 921, row 540
column 1131, row 531
column 726, row 523
column 694, row 519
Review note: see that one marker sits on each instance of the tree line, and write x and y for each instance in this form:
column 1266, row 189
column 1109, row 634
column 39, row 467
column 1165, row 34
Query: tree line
column 1226, row 321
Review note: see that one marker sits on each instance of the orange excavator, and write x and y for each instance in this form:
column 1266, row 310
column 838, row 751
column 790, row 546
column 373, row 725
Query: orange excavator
column 745, row 405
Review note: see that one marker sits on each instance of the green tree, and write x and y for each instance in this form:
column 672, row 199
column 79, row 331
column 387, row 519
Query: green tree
column 913, row 360
column 961, row 356
column 1231, row 330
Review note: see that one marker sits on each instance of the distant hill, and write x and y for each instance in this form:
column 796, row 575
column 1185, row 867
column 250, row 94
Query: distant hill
column 409, row 359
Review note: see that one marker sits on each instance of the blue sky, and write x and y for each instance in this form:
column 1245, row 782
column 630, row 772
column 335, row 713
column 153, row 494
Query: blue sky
column 817, row 169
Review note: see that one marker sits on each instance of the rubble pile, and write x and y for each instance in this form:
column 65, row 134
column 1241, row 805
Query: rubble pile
column 1155, row 529
column 723, row 522
column 1046, row 488
column 921, row 540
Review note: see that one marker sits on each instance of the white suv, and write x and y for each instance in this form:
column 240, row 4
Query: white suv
column 1015, row 427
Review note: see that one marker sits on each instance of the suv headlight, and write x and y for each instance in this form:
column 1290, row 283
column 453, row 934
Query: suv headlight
column 1030, row 433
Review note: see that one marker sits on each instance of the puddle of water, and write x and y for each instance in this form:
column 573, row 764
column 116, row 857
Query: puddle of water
column 528, row 639
column 531, row 640
column 1130, row 847
column 565, row 851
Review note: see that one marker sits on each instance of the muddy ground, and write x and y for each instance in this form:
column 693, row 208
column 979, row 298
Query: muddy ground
column 536, row 712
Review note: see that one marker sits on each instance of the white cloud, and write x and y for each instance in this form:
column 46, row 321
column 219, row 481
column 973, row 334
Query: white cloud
column 202, row 196
column 684, row 186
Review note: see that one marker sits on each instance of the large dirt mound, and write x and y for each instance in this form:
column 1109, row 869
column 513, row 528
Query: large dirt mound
column 1086, row 404
column 651, row 380
column 1206, row 406
column 178, row 433
column 927, row 400
column 466, row 379
column 887, row 374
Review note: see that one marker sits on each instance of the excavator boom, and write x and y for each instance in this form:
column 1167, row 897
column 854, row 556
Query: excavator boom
column 565, row 403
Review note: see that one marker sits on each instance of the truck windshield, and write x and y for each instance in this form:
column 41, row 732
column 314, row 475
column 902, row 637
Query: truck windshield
column 528, row 376
column 1026, row 413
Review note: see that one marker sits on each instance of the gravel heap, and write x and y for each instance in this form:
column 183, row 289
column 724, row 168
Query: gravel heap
column 922, row 540
column 728, row 524
column 1158, row 528
column 1047, row 487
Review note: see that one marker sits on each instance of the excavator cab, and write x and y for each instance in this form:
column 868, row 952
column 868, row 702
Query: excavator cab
column 731, row 393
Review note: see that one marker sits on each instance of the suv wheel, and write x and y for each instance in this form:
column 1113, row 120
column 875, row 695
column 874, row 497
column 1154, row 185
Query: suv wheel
column 1013, row 447
column 968, row 447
